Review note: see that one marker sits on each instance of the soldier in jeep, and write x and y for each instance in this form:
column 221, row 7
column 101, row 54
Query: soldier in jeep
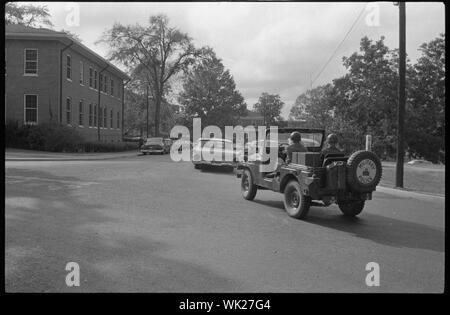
column 295, row 145
column 332, row 141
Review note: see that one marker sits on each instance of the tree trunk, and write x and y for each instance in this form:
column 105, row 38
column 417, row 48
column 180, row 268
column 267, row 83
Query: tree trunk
column 157, row 114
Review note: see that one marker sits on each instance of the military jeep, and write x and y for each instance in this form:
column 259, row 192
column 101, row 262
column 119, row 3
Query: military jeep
column 310, row 179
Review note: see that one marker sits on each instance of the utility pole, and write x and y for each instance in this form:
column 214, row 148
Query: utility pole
column 146, row 97
column 401, row 95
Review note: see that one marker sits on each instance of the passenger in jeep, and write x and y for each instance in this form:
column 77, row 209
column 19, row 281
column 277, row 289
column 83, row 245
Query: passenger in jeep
column 295, row 145
column 332, row 141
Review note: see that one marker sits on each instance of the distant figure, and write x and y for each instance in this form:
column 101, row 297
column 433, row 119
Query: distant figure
column 332, row 141
column 141, row 142
column 295, row 145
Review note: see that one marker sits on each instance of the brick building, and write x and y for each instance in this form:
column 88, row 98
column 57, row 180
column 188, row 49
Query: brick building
column 252, row 118
column 51, row 77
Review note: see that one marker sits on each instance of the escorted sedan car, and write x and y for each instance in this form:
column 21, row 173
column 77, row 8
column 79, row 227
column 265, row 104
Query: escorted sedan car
column 153, row 145
column 205, row 151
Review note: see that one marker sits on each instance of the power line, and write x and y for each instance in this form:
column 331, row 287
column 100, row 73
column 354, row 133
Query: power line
column 340, row 44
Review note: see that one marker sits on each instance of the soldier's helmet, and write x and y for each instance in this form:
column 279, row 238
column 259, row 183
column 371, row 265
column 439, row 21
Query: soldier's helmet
column 332, row 138
column 296, row 136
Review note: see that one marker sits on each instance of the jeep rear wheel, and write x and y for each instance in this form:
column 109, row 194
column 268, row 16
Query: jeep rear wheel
column 363, row 171
column 351, row 208
column 295, row 202
column 248, row 187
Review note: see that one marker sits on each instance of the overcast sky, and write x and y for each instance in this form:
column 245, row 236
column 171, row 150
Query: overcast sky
column 268, row 47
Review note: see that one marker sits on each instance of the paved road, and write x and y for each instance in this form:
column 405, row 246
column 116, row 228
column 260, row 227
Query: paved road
column 147, row 224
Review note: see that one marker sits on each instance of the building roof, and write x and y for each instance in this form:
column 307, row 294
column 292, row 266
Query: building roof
column 252, row 115
column 17, row 28
column 17, row 31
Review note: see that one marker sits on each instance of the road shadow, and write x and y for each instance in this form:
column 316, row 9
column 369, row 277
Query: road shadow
column 48, row 223
column 276, row 204
column 226, row 170
column 374, row 227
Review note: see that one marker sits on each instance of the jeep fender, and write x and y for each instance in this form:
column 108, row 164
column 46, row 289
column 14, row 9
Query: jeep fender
column 287, row 178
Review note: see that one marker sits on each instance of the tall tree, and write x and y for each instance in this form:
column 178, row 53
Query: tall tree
column 366, row 97
column 28, row 15
column 210, row 93
column 158, row 50
column 425, row 128
column 269, row 106
column 315, row 106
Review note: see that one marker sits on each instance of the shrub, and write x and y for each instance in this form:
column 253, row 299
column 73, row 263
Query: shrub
column 56, row 138
column 107, row 147
column 62, row 139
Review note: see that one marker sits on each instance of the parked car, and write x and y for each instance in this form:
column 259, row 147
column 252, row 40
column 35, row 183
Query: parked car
column 153, row 145
column 346, row 180
column 419, row 162
column 214, row 146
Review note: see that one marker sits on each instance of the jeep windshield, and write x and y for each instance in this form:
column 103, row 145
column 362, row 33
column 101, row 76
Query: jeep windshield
column 309, row 139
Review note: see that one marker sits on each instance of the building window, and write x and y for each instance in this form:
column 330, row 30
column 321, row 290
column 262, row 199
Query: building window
column 91, row 77
column 90, row 115
column 81, row 73
column 80, row 113
column 95, row 115
column 31, row 61
column 69, row 67
column 101, row 82
column 95, row 79
column 105, row 87
column 31, row 105
column 118, row 120
column 112, row 87
column 105, row 117
column 69, row 110
column 111, row 120
column 100, row 117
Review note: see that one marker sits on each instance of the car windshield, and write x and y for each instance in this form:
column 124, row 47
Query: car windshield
column 154, row 140
column 309, row 139
column 216, row 142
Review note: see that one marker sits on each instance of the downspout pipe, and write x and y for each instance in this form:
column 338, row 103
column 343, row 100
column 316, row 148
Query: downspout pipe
column 98, row 104
column 123, row 104
column 61, row 78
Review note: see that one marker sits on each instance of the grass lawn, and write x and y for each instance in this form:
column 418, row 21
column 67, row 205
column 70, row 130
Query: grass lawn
column 421, row 178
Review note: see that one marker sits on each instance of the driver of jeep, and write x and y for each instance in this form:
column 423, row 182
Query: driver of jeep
column 295, row 145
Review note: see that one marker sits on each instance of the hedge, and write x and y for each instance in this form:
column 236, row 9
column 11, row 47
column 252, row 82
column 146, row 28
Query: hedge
column 56, row 138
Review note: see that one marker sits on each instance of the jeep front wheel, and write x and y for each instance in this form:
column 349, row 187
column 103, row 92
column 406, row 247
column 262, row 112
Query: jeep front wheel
column 248, row 187
column 295, row 202
column 351, row 208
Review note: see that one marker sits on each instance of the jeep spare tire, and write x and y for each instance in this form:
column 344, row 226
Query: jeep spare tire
column 363, row 171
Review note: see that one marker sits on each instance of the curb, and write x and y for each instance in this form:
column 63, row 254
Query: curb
column 408, row 193
column 38, row 159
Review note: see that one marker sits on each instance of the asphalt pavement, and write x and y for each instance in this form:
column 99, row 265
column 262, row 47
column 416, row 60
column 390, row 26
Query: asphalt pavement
column 147, row 224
